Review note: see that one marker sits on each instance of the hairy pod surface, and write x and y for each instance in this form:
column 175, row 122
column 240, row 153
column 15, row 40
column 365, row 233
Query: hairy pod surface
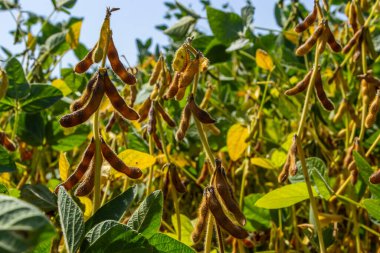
column 6, row 142
column 180, row 93
column 144, row 109
column 352, row 17
column 165, row 115
column 310, row 42
column 184, row 123
column 189, row 73
column 293, row 157
column 221, row 218
column 341, row 109
column 152, row 119
column 85, row 63
column 87, row 184
column 176, row 180
column 80, row 102
column 117, row 66
column 373, row 110
column 181, row 59
column 102, row 42
column 83, row 114
column 308, row 21
column 352, row 41
column 173, row 88
column 300, row 86
column 321, row 94
column 157, row 141
column 199, row 113
column 334, row 45
column 117, row 101
column 117, row 163
column 284, row 172
column 199, row 228
column 156, row 71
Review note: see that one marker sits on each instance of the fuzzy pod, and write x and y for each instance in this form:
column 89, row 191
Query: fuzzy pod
column 199, row 113
column 200, row 226
column 133, row 95
column 184, row 123
column 181, row 59
column 293, row 157
column 189, row 73
column 369, row 78
column 373, row 110
column 204, row 172
column 117, row 163
column 334, row 45
column 341, row 109
column 308, row 21
column 300, row 86
column 284, row 172
column 353, row 41
column 165, row 116
column 4, row 83
column 80, row 102
column 6, row 142
column 175, row 179
column 156, row 71
column 310, row 42
column 117, row 101
column 173, row 88
column 144, row 109
column 97, row 56
column 81, row 169
column 221, row 218
column 152, row 119
column 321, row 94
column 117, row 66
column 86, row 62
column 352, row 17
column 87, row 184
column 225, row 192
column 165, row 187
column 375, row 177
column 354, row 176
column 83, row 114
column 157, row 141
column 180, row 94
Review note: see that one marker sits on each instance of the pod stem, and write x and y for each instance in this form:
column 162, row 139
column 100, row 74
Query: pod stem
column 220, row 238
column 98, row 162
column 209, row 229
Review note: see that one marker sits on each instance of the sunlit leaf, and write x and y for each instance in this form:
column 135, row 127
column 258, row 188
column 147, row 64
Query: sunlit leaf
column 262, row 162
column 236, row 144
column 136, row 158
column 64, row 166
column 62, row 86
column 263, row 60
column 72, row 36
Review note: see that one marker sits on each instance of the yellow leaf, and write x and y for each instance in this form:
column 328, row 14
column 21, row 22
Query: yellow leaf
column 292, row 36
column 72, row 36
column 31, row 42
column 62, row 86
column 64, row 166
column 262, row 162
column 87, row 207
column 137, row 159
column 263, row 60
column 236, row 141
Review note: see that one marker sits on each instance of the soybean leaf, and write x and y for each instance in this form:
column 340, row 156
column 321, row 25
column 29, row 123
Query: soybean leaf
column 6, row 162
column 186, row 229
column 72, row 222
column 21, row 225
column 262, row 162
column 285, row 196
column 312, row 163
column 40, row 196
column 365, row 172
column 41, row 96
column 31, row 128
column 147, row 218
column 165, row 244
column 321, row 185
column 114, row 209
column 181, row 28
column 6, row 104
column 257, row 218
column 18, row 85
column 372, row 206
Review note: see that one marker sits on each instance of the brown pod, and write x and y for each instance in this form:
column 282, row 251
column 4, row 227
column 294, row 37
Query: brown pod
column 300, row 86
column 87, row 183
column 204, row 172
column 111, row 122
column 334, row 45
column 321, row 95
column 6, row 142
column 117, row 163
column 308, row 21
column 352, row 41
column 165, row 187
column 117, row 66
column 354, row 176
column 133, row 95
column 352, row 17
column 341, row 109
column 184, row 123
column 180, row 94
column 348, row 157
column 310, row 42
column 165, row 115
column 200, row 114
column 199, row 228
column 373, row 110
column 368, row 77
column 156, row 71
column 152, row 119
column 80, row 102
column 144, row 109
column 82, row 167
column 118, row 102
column 221, row 218
column 375, row 177
column 285, row 171
column 83, row 114
column 176, row 180
column 225, row 192
column 173, row 88
column 157, row 141
column 292, row 157
column 86, row 62
column 188, row 75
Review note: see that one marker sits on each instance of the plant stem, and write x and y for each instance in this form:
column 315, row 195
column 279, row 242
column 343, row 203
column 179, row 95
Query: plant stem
column 220, row 238
column 209, row 228
column 150, row 177
column 176, row 209
column 373, row 146
column 312, row 199
column 15, row 125
column 98, row 162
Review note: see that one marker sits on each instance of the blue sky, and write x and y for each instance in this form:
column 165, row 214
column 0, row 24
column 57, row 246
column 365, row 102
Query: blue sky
column 135, row 19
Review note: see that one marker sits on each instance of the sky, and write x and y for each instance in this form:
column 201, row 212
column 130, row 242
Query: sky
column 135, row 19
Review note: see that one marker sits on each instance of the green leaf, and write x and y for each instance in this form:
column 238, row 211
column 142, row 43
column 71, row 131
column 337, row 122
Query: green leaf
column 6, row 162
column 21, row 225
column 6, row 104
column 181, row 28
column 372, row 206
column 40, row 196
column 365, row 171
column 238, row 44
column 285, row 196
column 186, row 229
column 114, row 209
column 99, row 229
column 224, row 25
column 41, row 96
column 31, row 128
column 166, row 244
column 321, row 185
column 147, row 218
column 312, row 163
column 257, row 218
column 72, row 222
column 262, row 162
column 18, row 85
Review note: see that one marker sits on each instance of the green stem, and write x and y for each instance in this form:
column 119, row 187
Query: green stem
column 150, row 177
column 373, row 146
column 15, row 125
column 243, row 178
column 220, row 238
column 98, row 162
column 208, row 239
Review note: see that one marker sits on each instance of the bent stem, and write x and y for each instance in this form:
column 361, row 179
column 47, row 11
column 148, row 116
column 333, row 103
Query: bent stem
column 311, row 196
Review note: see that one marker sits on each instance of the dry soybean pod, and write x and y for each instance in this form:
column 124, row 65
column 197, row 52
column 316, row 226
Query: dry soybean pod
column 310, row 42
column 156, row 71
column 4, row 83
column 373, row 110
column 176, row 180
column 80, row 102
column 200, row 114
column 221, row 218
column 117, row 163
column 173, row 88
column 184, row 123
column 87, row 184
column 144, row 109
column 180, row 93
column 334, row 45
column 152, row 119
column 6, row 142
column 117, row 101
column 86, row 62
column 352, row 17
column 341, row 109
column 84, row 113
column 181, row 59
column 308, row 21
column 204, row 172
column 133, row 95
column 117, row 66
column 165, row 115
column 99, row 51
column 292, row 157
column 352, row 41
column 199, row 228
column 300, row 86
column 111, row 122
column 375, row 177
column 82, row 167
column 225, row 192
column 190, row 71
column 284, row 172
column 321, row 95
column 157, row 141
